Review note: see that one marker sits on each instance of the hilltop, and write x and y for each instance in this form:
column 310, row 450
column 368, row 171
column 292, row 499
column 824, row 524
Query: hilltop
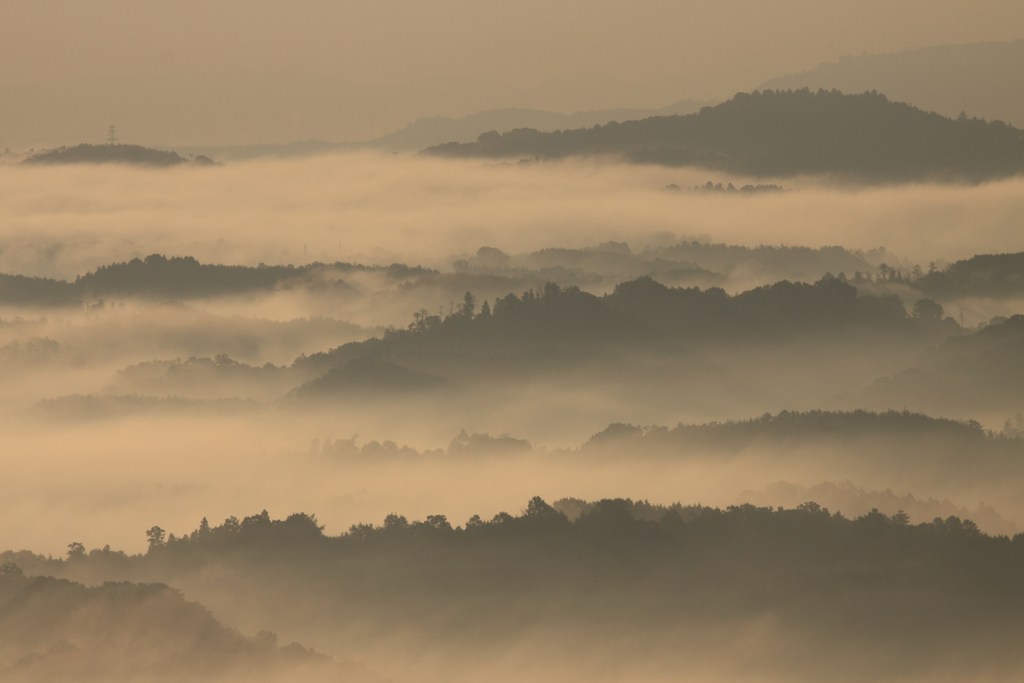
column 115, row 154
column 864, row 137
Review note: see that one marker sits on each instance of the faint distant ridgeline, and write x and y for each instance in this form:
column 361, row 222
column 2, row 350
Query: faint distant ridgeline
column 135, row 155
column 896, row 437
column 983, row 78
column 862, row 137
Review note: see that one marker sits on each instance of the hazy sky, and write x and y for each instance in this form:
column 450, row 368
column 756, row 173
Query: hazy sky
column 238, row 71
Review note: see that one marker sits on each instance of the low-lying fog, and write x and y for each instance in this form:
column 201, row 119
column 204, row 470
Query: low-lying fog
column 62, row 222
column 106, row 482
column 102, row 472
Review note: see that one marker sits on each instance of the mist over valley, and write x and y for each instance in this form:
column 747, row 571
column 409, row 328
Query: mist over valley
column 365, row 343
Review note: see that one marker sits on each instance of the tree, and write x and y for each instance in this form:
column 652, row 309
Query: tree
column 438, row 522
column 10, row 569
column 395, row 522
column 901, row 518
column 538, row 507
column 156, row 537
column 469, row 305
column 76, row 550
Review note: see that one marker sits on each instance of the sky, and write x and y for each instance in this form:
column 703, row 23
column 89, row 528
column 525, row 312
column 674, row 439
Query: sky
column 260, row 71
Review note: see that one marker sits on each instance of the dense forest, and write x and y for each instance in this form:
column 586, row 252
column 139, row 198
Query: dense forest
column 603, row 320
column 641, row 313
column 865, row 137
column 492, row 272
column 988, row 275
column 488, row 272
column 627, row 577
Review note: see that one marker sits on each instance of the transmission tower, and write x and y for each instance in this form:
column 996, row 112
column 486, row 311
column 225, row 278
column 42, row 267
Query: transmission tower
column 112, row 135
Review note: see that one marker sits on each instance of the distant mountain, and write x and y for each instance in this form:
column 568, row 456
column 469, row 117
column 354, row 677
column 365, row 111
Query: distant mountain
column 864, row 137
column 687, row 262
column 897, row 438
column 980, row 78
column 435, row 130
column 114, row 154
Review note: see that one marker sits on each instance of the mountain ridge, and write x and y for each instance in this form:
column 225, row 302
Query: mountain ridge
column 865, row 137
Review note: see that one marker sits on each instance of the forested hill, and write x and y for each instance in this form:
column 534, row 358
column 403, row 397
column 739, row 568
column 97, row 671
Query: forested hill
column 641, row 311
column 993, row 275
column 127, row 633
column 135, row 155
column 856, row 595
column 183, row 277
column 805, row 425
column 865, row 137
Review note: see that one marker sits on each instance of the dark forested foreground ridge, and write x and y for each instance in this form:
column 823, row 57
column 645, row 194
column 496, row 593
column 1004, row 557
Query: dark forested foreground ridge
column 865, row 137
column 57, row 630
column 134, row 155
column 796, row 594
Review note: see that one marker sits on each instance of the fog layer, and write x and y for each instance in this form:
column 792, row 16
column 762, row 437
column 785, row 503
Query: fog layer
column 62, row 222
